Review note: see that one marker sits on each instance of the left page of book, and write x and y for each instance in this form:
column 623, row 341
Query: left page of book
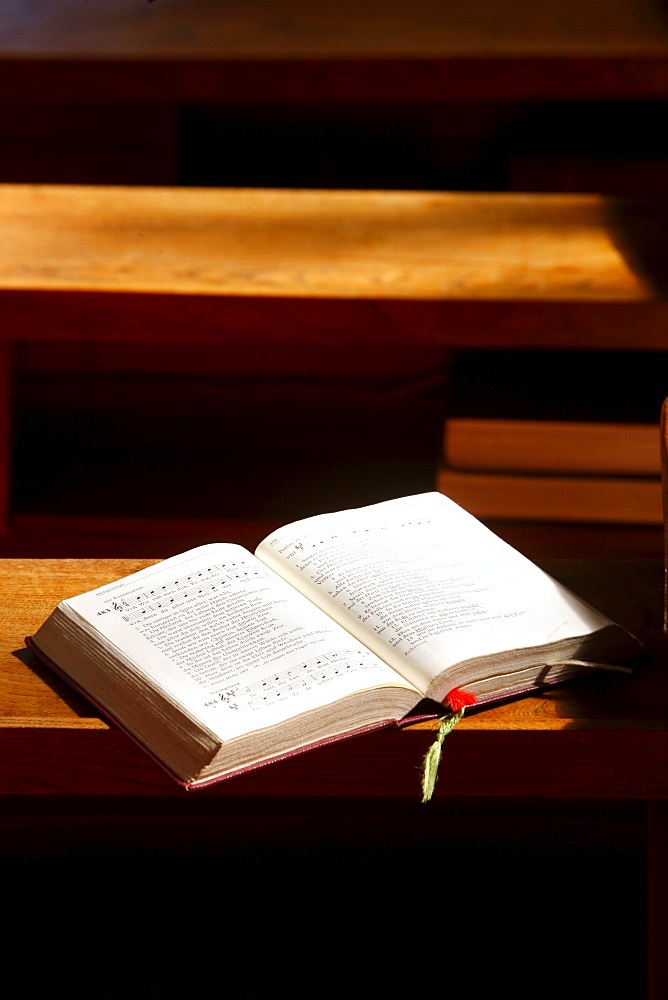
column 219, row 633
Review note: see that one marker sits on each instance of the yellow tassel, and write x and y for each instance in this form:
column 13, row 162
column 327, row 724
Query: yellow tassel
column 432, row 758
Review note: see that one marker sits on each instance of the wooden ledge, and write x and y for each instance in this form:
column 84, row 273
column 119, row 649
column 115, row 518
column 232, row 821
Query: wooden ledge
column 332, row 244
column 604, row 736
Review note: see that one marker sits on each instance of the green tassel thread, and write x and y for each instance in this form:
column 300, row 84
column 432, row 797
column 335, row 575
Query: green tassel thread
column 432, row 757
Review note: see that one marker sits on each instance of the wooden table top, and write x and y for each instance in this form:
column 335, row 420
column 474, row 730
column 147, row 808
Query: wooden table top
column 600, row 737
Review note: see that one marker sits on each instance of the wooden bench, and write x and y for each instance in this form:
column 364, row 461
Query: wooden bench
column 126, row 94
column 324, row 281
column 599, row 741
column 419, row 51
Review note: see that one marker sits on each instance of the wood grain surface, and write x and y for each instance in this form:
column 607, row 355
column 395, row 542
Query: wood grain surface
column 339, row 244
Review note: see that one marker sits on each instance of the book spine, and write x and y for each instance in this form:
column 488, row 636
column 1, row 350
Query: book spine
column 612, row 500
column 548, row 446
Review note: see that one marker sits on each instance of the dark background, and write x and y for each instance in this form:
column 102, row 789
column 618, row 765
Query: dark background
column 186, row 898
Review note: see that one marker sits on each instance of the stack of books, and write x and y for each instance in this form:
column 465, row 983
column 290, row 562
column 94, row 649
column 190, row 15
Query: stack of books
column 510, row 452
column 548, row 470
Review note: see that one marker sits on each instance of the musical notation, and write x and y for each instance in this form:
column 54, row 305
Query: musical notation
column 210, row 582
column 283, row 684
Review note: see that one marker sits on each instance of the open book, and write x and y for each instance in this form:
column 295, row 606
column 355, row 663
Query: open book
column 217, row 660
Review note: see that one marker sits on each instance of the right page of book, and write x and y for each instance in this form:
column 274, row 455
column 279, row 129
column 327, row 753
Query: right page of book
column 425, row 585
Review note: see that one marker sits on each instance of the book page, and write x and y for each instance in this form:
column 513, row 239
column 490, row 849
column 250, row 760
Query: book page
column 237, row 646
column 424, row 584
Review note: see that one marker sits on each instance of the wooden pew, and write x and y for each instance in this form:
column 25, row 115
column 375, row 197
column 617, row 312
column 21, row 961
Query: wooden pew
column 317, row 278
column 67, row 778
column 129, row 93
column 588, row 271
column 603, row 738
column 424, row 50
